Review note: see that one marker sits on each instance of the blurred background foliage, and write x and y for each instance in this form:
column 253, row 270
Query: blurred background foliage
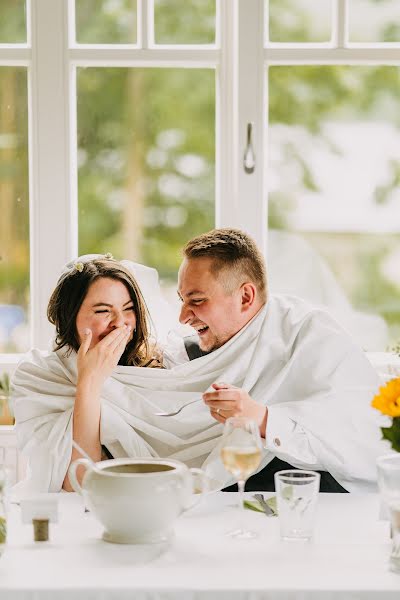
column 106, row 22
column 146, row 142
column 146, row 146
column 183, row 22
column 12, row 22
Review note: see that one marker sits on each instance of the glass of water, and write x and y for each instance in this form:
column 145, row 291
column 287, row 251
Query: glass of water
column 389, row 486
column 3, row 515
column 296, row 495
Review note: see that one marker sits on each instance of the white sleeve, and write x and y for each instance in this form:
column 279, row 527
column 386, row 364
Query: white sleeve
column 287, row 439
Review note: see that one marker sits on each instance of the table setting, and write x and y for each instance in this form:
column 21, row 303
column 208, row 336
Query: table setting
column 347, row 555
column 152, row 528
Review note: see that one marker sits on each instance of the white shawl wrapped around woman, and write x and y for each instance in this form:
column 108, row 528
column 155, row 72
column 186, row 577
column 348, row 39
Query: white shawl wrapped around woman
column 296, row 360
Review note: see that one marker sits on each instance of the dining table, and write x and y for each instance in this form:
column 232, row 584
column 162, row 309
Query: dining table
column 348, row 556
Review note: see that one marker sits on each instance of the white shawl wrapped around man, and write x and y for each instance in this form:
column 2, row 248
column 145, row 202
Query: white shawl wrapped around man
column 295, row 359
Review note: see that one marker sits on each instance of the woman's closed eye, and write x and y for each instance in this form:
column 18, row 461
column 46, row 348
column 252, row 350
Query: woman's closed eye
column 108, row 310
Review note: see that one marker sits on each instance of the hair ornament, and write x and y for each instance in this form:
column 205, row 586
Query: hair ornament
column 109, row 256
column 78, row 266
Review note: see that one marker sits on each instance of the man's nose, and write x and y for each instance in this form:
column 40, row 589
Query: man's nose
column 186, row 314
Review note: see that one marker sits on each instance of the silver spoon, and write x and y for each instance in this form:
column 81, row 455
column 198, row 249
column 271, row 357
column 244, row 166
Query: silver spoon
column 267, row 509
column 176, row 412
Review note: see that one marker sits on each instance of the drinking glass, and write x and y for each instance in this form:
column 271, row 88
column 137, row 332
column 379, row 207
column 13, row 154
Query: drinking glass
column 296, row 497
column 389, row 486
column 3, row 515
column 241, row 455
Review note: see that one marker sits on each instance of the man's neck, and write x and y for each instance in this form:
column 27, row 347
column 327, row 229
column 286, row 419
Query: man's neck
column 252, row 314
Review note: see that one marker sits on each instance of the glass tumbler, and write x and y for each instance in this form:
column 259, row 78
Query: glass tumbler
column 389, row 486
column 3, row 515
column 296, row 495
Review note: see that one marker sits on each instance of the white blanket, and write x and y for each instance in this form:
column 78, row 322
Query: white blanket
column 291, row 357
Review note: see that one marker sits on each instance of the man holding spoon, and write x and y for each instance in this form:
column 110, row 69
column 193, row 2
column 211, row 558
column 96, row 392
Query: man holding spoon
column 311, row 385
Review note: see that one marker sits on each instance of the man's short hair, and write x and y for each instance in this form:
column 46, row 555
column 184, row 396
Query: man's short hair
column 233, row 252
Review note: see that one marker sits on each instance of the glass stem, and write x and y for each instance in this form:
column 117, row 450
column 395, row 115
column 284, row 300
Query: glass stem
column 241, row 506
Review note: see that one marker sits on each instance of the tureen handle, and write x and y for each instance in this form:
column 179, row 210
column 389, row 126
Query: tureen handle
column 201, row 478
column 72, row 473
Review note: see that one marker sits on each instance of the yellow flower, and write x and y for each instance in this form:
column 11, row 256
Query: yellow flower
column 388, row 399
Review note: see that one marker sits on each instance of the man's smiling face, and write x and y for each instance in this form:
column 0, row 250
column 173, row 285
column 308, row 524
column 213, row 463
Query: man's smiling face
column 215, row 313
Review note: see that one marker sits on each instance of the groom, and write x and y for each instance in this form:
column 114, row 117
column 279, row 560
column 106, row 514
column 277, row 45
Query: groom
column 223, row 286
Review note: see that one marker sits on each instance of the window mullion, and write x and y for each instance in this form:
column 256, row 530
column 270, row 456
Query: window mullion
column 241, row 201
column 51, row 223
column 143, row 21
column 340, row 20
column 368, row 55
column 226, row 205
column 120, row 56
column 252, row 200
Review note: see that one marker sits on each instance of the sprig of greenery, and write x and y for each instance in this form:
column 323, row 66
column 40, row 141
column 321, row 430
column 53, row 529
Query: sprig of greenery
column 3, row 530
column 395, row 349
column 255, row 505
column 392, row 434
column 5, row 384
column 5, row 393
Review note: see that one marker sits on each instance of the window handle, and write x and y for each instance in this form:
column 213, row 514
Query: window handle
column 249, row 158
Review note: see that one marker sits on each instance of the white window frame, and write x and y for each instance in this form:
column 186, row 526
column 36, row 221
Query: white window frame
column 241, row 59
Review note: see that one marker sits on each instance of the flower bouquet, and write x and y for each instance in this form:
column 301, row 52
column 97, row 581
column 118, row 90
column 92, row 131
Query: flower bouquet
column 388, row 403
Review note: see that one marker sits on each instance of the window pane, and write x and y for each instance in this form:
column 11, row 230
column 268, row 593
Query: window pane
column 334, row 193
column 146, row 157
column 374, row 21
column 184, row 21
column 106, row 21
column 300, row 20
column 14, row 221
column 12, row 22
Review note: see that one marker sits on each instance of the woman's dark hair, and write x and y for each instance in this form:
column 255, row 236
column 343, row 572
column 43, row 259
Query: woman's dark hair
column 70, row 292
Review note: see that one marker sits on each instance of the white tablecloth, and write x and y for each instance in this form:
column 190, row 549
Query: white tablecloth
column 347, row 559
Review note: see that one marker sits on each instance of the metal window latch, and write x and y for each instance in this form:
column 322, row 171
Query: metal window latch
column 249, row 158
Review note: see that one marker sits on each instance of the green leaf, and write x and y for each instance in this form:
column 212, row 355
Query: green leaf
column 3, row 530
column 255, row 505
column 5, row 383
column 252, row 505
column 272, row 504
column 392, row 434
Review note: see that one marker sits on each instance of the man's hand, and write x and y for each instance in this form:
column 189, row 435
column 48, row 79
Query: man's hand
column 229, row 401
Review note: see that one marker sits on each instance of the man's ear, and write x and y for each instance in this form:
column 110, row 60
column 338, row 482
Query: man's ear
column 248, row 295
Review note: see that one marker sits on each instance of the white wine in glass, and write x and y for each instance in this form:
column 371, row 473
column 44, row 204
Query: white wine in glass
column 241, row 462
column 241, row 455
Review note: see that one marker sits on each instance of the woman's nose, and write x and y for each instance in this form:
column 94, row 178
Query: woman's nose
column 118, row 319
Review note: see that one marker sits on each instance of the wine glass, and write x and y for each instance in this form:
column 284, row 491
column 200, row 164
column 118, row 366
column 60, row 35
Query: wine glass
column 241, row 455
